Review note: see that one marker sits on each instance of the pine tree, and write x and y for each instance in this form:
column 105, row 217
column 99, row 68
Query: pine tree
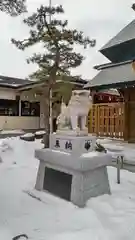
column 58, row 57
column 13, row 7
column 133, row 6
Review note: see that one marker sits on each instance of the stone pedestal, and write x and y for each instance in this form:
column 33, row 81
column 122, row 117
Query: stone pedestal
column 74, row 173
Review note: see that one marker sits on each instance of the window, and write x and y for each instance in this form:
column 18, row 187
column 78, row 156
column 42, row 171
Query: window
column 35, row 109
column 25, row 108
column 9, row 107
column 30, row 109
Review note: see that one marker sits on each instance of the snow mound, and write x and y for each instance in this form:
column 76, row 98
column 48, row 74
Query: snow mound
column 28, row 135
column 5, row 146
column 103, row 141
column 40, row 133
column 91, row 154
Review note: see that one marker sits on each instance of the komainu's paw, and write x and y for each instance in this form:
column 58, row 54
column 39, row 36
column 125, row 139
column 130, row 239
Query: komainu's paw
column 85, row 129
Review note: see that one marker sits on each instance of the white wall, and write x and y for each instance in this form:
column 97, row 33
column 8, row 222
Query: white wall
column 7, row 94
column 30, row 96
column 12, row 122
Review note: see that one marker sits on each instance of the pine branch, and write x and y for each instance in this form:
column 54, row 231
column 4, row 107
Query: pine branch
column 13, row 7
column 133, row 6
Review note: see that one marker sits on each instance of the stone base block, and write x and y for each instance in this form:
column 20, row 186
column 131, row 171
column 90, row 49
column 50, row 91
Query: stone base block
column 90, row 184
column 74, row 178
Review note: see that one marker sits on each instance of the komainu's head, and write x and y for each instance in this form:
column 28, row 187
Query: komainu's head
column 80, row 96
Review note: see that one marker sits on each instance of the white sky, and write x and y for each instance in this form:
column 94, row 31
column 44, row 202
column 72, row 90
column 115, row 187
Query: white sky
column 97, row 19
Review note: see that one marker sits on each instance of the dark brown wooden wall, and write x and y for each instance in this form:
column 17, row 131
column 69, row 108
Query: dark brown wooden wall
column 129, row 129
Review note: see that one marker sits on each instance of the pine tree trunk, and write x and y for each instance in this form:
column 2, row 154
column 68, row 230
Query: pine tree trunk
column 47, row 108
column 47, row 118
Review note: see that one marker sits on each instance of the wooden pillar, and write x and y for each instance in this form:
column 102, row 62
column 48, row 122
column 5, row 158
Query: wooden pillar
column 20, row 108
column 92, row 95
column 126, row 115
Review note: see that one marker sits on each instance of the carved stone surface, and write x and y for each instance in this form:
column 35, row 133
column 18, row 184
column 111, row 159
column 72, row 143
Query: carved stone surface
column 73, row 144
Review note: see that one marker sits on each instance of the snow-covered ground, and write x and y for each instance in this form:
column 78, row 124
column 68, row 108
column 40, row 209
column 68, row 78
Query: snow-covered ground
column 44, row 217
column 119, row 147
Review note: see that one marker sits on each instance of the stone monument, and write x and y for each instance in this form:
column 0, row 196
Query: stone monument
column 71, row 168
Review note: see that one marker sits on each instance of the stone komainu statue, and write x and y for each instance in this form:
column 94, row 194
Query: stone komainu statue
column 77, row 109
